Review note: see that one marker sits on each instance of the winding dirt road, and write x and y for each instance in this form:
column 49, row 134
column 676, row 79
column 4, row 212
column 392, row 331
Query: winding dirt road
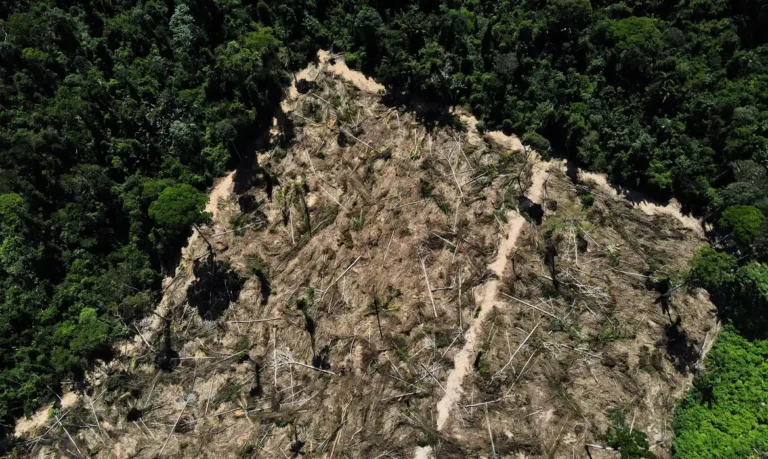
column 485, row 297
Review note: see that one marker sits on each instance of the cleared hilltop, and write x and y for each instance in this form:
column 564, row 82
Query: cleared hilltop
column 383, row 280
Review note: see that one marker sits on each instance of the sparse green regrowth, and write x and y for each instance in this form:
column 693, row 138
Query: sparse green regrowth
column 442, row 340
column 481, row 365
column 442, row 205
column 246, row 451
column 632, row 443
column 612, row 331
column 230, row 392
column 614, row 257
column 357, row 222
column 401, row 351
column 425, row 188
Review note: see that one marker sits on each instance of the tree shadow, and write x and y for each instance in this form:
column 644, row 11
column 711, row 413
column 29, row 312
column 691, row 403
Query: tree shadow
column 322, row 359
column 681, row 349
column 167, row 359
column 531, row 209
column 661, row 287
column 431, row 115
column 257, row 390
column 216, row 286
column 265, row 288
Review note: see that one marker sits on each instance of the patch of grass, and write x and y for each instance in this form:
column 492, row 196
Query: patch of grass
column 246, row 451
column 401, row 351
column 612, row 331
column 357, row 222
column 614, row 257
column 238, row 222
column 567, row 326
column 557, row 325
column 442, row 340
column 481, row 365
column 257, row 266
column 241, row 349
column 229, row 393
column 650, row 362
column 278, row 154
column 442, row 205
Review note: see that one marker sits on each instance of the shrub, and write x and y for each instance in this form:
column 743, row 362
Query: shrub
column 587, row 200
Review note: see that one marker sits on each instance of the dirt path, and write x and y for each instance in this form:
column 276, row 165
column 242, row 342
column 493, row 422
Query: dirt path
column 486, row 300
column 183, row 277
column 27, row 426
column 647, row 206
column 194, row 248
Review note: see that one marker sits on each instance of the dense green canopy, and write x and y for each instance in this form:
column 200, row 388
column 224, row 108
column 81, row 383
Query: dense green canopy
column 115, row 115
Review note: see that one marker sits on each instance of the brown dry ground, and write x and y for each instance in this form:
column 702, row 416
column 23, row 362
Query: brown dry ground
column 338, row 218
column 602, row 340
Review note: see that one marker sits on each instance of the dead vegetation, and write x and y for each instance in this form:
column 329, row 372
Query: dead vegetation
column 343, row 284
column 339, row 291
column 594, row 322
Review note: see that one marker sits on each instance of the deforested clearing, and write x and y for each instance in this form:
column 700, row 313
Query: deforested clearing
column 370, row 250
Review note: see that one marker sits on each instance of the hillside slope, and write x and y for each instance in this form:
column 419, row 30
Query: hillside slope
column 385, row 281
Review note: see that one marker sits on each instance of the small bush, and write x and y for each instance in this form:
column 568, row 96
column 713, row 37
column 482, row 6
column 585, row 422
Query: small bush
column 357, row 223
column 442, row 340
column 631, row 443
column 537, row 142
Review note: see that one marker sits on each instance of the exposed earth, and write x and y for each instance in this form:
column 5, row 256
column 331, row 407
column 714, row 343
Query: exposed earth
column 383, row 280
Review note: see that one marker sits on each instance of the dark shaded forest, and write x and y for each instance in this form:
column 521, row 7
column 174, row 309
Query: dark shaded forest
column 116, row 116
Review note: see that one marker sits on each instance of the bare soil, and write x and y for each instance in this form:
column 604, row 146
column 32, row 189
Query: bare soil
column 387, row 296
column 485, row 298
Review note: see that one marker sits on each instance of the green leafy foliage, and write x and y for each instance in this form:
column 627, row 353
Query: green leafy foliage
column 175, row 210
column 725, row 413
column 630, row 442
column 114, row 117
column 178, row 207
column 712, row 270
column 115, row 114
column 743, row 223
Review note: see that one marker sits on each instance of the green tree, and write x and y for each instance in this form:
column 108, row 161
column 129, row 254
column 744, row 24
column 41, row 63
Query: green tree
column 636, row 41
column 12, row 210
column 178, row 207
column 751, row 291
column 536, row 141
column 712, row 270
column 724, row 414
column 742, row 223
column 569, row 13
